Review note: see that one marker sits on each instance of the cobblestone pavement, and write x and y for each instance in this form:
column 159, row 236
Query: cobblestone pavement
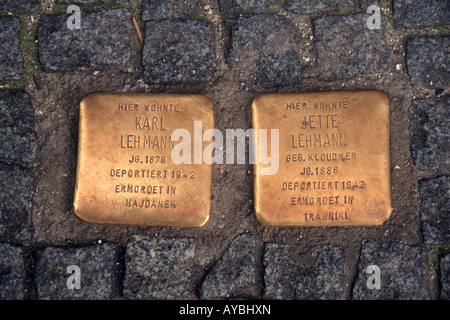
column 230, row 51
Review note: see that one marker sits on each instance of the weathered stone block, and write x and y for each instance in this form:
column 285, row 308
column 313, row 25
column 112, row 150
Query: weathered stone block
column 445, row 277
column 428, row 63
column 158, row 268
column 341, row 56
column 403, row 272
column 178, row 51
column 301, row 6
column 16, row 194
column 12, row 272
column 421, row 13
column 434, row 198
column 18, row 6
column 95, row 264
column 263, row 56
column 236, row 7
column 430, row 146
column 303, row 273
column 17, row 134
column 171, row 9
column 102, row 42
column 235, row 273
column 10, row 56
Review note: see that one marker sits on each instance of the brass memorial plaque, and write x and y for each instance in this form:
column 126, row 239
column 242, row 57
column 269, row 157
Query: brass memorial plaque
column 125, row 171
column 334, row 159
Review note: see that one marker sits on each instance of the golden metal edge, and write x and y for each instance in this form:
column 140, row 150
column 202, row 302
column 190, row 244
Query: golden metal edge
column 208, row 102
column 268, row 223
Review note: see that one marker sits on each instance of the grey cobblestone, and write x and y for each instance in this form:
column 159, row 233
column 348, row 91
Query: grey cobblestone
column 12, row 271
column 434, row 197
column 421, row 13
column 403, row 270
column 343, row 57
column 303, row 273
column 96, row 265
column 428, row 63
column 307, row 7
column 445, row 277
column 171, row 9
column 10, row 57
column 102, row 42
column 231, row 51
column 364, row 4
column 235, row 273
column 17, row 133
column 88, row 1
column 158, row 268
column 237, row 7
column 18, row 6
column 178, row 51
column 319, row 5
column 16, row 193
column 264, row 57
column 430, row 146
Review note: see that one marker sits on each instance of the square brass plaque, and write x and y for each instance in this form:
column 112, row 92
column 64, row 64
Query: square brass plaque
column 334, row 159
column 125, row 173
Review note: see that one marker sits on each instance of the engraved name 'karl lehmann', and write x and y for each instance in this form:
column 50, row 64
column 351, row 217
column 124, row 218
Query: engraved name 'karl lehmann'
column 133, row 141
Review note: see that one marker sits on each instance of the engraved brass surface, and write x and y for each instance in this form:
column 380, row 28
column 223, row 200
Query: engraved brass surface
column 334, row 159
column 125, row 173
